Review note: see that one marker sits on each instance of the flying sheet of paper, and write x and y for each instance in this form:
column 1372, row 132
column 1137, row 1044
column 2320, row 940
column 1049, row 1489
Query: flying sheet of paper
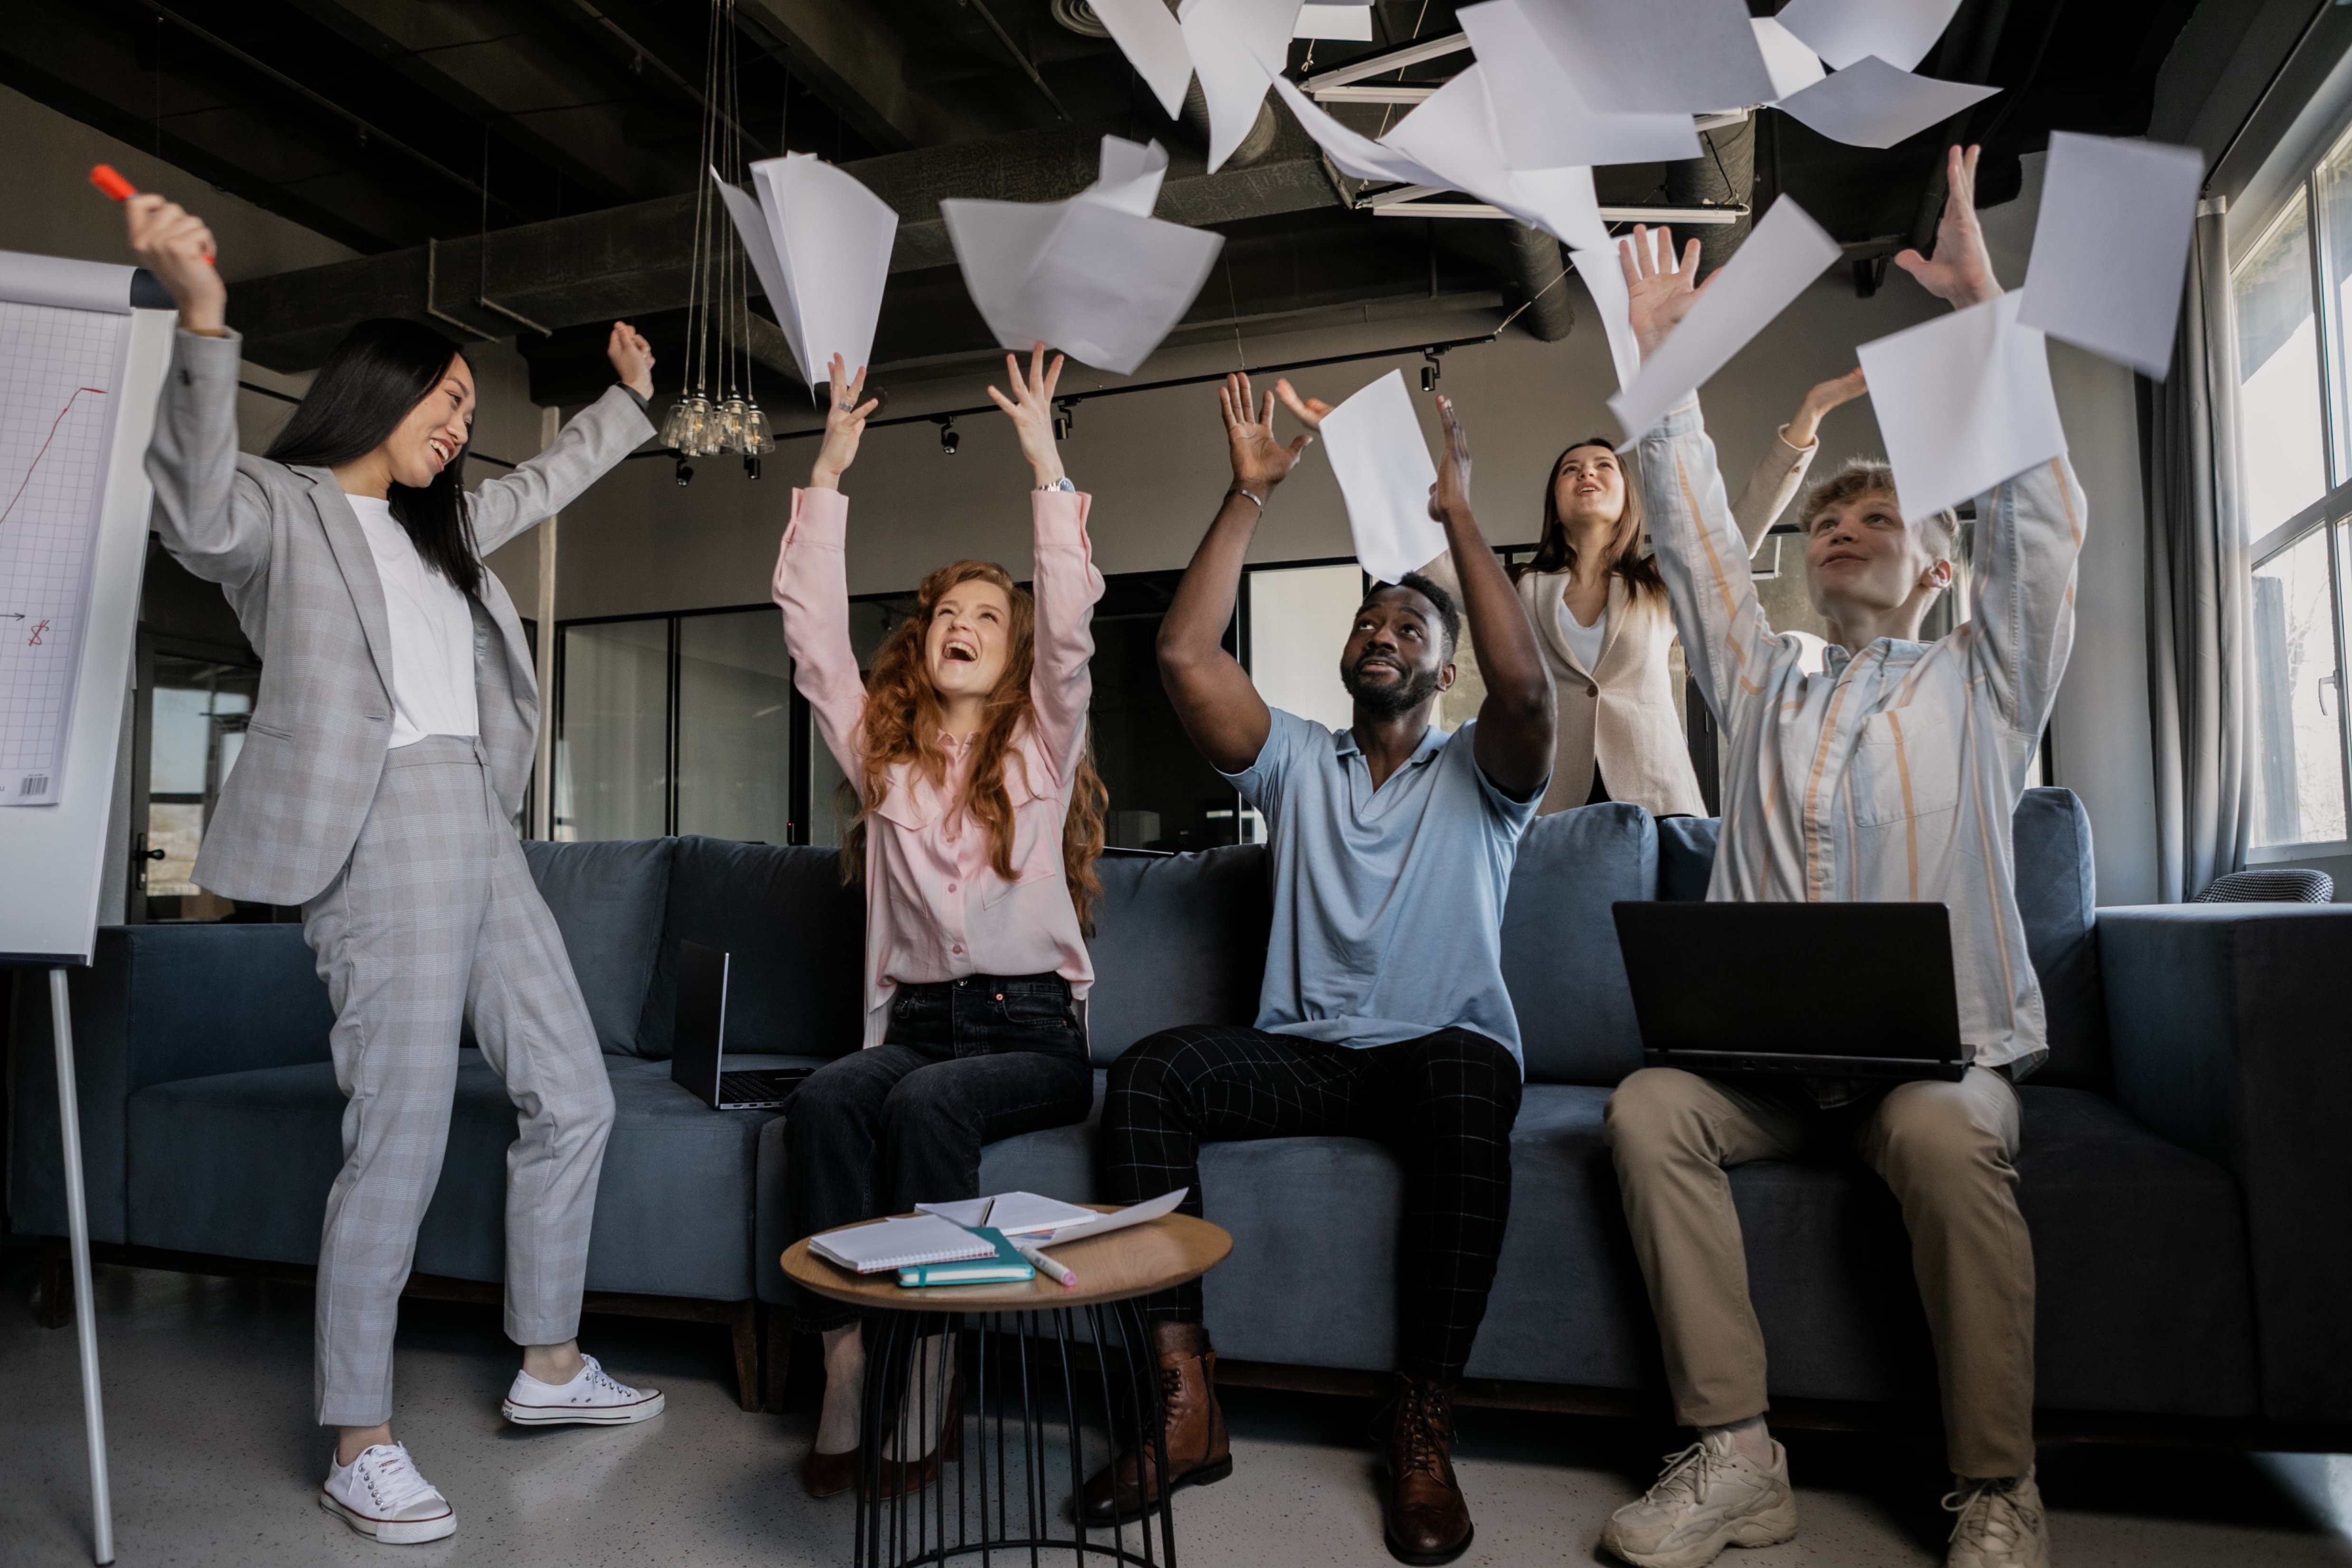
column 2110, row 246
column 1351, row 151
column 1453, row 132
column 1147, row 34
column 1871, row 104
column 1542, row 120
column 1349, row 24
column 1964, row 401
column 820, row 245
column 1094, row 276
column 1647, row 56
column 1793, row 67
column 1385, row 473
column 1604, row 279
column 1238, row 48
column 1899, row 32
column 1785, row 252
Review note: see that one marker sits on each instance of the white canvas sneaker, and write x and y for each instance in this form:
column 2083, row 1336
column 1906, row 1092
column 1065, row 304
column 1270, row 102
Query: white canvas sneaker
column 381, row 1495
column 2001, row 1525
column 592, row 1398
column 1710, row 1496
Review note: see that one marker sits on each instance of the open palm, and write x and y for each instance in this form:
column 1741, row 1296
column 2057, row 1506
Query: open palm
column 1658, row 293
column 1259, row 460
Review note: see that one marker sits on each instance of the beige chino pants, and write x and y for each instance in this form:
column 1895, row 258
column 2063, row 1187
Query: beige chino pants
column 1945, row 1149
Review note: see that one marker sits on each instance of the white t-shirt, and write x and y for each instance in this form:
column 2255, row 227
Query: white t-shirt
column 432, row 633
column 1584, row 641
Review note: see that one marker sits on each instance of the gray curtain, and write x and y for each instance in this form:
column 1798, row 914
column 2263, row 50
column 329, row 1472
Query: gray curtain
column 2199, row 606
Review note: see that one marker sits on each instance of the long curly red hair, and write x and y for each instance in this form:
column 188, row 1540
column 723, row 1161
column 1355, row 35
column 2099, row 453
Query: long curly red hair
column 902, row 713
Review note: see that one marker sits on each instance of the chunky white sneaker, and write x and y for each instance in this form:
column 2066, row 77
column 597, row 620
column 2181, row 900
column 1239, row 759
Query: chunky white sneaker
column 380, row 1494
column 1710, row 1496
column 2001, row 1525
column 592, row 1398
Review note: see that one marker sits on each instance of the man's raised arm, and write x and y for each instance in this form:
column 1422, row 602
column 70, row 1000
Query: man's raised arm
column 1516, row 721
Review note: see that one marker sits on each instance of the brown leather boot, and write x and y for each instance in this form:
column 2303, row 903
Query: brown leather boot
column 1193, row 1428
column 1428, row 1520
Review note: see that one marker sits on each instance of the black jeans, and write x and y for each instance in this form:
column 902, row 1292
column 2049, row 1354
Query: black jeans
column 1444, row 1103
column 963, row 1063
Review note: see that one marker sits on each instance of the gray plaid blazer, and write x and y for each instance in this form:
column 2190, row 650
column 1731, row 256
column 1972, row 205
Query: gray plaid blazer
column 287, row 548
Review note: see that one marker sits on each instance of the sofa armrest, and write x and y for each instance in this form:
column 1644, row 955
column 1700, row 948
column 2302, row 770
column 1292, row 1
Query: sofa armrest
column 2228, row 1027
column 158, row 1003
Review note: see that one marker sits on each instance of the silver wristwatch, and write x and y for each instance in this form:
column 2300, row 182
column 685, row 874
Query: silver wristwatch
column 1061, row 483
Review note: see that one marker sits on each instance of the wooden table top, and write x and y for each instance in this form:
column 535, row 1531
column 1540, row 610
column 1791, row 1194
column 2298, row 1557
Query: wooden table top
column 1143, row 1259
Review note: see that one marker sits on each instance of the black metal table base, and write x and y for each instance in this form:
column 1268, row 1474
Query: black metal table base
column 1011, row 1408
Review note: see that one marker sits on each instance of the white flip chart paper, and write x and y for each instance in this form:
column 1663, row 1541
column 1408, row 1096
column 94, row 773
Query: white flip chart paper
column 1604, row 279
column 1790, row 61
column 1453, row 133
column 1385, row 473
column 1094, row 276
column 1147, row 34
column 820, row 245
column 1647, row 56
column 1238, row 48
column 1784, row 253
column 1963, row 401
column 1350, row 24
column 2110, row 246
column 1871, row 104
column 1351, row 151
column 1543, row 119
column 1842, row 32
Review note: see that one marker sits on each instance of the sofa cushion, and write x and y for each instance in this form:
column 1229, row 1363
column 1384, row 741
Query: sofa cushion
column 1179, row 939
column 796, row 935
column 1687, row 856
column 2057, row 895
column 607, row 899
column 238, row 1163
column 1559, row 941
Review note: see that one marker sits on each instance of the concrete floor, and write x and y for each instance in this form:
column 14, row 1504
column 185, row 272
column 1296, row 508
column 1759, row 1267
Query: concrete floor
column 207, row 1382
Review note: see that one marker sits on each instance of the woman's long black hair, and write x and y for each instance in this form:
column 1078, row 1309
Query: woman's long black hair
column 377, row 375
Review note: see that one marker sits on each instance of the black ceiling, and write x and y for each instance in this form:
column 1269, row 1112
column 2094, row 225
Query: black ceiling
column 387, row 123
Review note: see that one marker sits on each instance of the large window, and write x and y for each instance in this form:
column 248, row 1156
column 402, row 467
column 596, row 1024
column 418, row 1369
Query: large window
column 2293, row 310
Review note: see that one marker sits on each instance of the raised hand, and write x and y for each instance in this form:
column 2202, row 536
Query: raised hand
column 1658, row 293
column 1449, row 494
column 845, row 409
column 1260, row 462
column 1820, row 400
column 1308, row 411
column 633, row 359
column 1031, row 409
column 174, row 244
column 1961, row 269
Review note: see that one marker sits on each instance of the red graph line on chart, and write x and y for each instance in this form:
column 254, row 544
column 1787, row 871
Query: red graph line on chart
column 44, row 452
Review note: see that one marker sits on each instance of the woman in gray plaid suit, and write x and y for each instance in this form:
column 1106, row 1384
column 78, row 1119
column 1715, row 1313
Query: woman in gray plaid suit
column 382, row 766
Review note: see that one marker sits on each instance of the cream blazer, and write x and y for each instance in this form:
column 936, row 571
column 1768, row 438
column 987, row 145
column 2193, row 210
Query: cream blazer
column 1621, row 716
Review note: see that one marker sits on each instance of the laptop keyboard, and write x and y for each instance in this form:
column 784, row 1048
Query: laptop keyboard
column 754, row 1089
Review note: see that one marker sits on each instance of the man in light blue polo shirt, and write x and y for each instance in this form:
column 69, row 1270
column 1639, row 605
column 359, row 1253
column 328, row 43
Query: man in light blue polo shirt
column 1383, row 1013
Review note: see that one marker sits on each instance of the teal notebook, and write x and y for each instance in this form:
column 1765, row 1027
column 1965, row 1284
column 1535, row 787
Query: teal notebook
column 1008, row 1267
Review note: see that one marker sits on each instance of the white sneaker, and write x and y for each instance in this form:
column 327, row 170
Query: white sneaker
column 1710, row 1496
column 2001, row 1525
column 592, row 1398
column 381, row 1495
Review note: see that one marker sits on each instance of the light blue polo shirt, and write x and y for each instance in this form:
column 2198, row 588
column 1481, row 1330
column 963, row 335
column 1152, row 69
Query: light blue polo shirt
column 1387, row 904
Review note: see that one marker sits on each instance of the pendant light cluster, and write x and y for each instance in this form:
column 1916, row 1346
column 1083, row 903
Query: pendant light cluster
column 721, row 413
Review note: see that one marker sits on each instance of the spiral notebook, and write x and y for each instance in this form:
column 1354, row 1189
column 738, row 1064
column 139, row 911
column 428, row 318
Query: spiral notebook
column 902, row 1243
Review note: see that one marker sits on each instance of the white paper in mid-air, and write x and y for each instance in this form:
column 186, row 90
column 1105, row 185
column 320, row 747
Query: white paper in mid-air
column 1147, row 34
column 1382, row 464
column 1604, row 279
column 1351, row 151
column 1842, row 32
column 1542, row 120
column 820, row 245
column 2110, row 246
column 1646, row 55
column 1792, row 66
column 1786, row 252
column 1349, row 24
column 1238, row 48
column 1964, row 401
column 1871, row 104
column 1453, row 133
column 1096, row 275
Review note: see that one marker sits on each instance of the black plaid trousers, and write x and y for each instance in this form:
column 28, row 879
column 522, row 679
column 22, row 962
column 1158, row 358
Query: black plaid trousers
column 1444, row 1103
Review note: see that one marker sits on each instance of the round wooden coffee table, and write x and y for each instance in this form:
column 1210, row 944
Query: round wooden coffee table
column 1036, row 1366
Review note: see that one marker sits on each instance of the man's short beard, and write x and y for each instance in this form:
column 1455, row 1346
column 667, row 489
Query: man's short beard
column 1389, row 702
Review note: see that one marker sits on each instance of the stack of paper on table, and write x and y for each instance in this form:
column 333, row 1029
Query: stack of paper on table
column 1014, row 1213
column 931, row 1236
column 820, row 245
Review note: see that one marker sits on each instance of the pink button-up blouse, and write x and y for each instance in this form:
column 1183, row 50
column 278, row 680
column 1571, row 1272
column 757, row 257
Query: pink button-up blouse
column 935, row 909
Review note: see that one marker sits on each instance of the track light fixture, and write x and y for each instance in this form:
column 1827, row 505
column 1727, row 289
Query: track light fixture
column 1066, row 417
column 949, row 439
column 1430, row 371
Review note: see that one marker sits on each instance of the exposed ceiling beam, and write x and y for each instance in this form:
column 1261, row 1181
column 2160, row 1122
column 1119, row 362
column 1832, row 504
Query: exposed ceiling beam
column 847, row 53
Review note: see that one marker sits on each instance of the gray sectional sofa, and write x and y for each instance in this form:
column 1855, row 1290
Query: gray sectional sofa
column 2185, row 1173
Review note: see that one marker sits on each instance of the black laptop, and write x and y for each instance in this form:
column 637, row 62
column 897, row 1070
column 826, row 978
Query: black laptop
column 698, row 1053
column 1832, row 990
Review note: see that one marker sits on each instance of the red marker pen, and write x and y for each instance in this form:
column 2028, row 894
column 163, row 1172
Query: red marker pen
column 112, row 184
